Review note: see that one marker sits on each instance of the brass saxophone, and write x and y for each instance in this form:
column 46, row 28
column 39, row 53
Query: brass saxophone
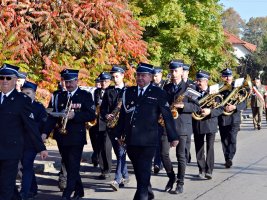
column 209, row 101
column 94, row 122
column 238, row 95
column 65, row 119
column 111, row 123
column 173, row 109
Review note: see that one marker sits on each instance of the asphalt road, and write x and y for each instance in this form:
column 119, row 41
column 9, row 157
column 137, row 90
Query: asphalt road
column 246, row 180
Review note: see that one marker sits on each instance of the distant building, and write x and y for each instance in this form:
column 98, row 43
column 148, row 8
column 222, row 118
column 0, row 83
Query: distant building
column 241, row 47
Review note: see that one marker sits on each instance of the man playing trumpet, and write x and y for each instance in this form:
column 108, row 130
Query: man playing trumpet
column 71, row 143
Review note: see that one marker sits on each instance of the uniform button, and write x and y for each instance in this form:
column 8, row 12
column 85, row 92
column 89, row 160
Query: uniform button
column 133, row 126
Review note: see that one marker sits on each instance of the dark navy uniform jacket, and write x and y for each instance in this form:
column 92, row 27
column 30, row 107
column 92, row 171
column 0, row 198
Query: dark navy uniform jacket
column 76, row 131
column 54, row 99
column 16, row 121
column 190, row 83
column 141, row 124
column 40, row 117
column 210, row 123
column 183, row 123
column 110, row 100
column 160, row 84
column 235, row 118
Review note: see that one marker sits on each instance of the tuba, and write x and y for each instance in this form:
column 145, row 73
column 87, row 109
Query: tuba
column 116, row 113
column 209, row 101
column 65, row 119
column 238, row 94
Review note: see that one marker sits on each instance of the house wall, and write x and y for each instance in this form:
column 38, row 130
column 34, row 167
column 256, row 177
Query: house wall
column 240, row 51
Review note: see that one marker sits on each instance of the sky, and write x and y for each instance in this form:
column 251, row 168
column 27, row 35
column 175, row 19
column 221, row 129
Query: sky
column 247, row 8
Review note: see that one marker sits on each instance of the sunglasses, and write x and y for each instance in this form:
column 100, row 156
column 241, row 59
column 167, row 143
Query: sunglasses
column 8, row 78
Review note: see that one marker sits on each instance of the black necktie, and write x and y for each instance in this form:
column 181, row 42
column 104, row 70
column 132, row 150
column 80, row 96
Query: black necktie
column 141, row 92
column 3, row 99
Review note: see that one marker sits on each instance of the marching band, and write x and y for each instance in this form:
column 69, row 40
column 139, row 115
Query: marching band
column 142, row 121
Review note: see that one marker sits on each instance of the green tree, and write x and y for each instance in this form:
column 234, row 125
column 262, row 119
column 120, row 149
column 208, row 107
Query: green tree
column 255, row 63
column 190, row 30
column 232, row 22
column 256, row 28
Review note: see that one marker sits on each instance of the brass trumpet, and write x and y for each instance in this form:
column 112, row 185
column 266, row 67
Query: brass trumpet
column 209, row 101
column 239, row 94
column 65, row 119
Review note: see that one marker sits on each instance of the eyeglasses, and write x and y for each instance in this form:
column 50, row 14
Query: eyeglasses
column 8, row 78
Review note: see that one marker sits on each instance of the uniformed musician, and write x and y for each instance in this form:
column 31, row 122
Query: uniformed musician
column 93, row 132
column 17, row 121
column 185, row 107
column 53, row 105
column 104, row 146
column 71, row 137
column 229, row 125
column 189, row 83
column 142, row 105
column 21, row 80
column 28, row 184
column 158, row 81
column 207, row 127
column 110, row 103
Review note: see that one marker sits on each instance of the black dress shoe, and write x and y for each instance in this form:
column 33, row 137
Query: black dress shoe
column 259, row 127
column 104, row 176
column 65, row 198
column 151, row 196
column 228, row 163
column 156, row 169
column 179, row 189
column 170, row 183
column 76, row 197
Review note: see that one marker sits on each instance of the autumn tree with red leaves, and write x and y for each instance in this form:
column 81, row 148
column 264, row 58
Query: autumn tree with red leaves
column 45, row 36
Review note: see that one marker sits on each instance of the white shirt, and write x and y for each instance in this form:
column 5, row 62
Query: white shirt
column 120, row 86
column 73, row 92
column 7, row 94
column 144, row 89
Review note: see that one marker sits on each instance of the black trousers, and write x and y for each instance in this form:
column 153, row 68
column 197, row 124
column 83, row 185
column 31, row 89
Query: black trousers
column 165, row 154
column 93, row 132
column 187, row 149
column 104, row 152
column 71, row 156
column 228, row 140
column 8, row 173
column 205, row 165
column 141, row 158
column 181, row 158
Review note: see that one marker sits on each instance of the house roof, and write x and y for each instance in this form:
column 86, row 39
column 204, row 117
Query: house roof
column 233, row 39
